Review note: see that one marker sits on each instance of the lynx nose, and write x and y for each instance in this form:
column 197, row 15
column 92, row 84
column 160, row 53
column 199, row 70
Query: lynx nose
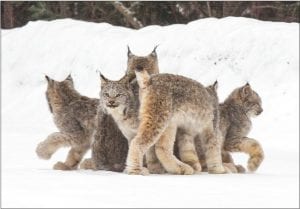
column 260, row 111
column 139, row 68
column 111, row 102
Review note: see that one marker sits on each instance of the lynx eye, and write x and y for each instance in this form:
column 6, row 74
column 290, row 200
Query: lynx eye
column 118, row 95
column 106, row 94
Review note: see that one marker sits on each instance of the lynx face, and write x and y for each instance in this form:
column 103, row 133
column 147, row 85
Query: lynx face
column 251, row 101
column 115, row 94
column 148, row 63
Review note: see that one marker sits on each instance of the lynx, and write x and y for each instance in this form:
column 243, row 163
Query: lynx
column 74, row 115
column 165, row 107
column 235, row 124
column 110, row 147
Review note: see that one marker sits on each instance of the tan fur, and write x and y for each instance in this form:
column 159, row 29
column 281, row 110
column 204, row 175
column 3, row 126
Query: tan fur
column 165, row 106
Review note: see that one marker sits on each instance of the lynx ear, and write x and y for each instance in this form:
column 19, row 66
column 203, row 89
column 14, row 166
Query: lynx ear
column 69, row 78
column 215, row 85
column 103, row 79
column 153, row 53
column 129, row 53
column 49, row 80
column 246, row 90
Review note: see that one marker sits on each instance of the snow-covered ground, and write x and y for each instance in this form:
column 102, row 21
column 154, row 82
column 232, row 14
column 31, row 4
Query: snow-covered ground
column 232, row 50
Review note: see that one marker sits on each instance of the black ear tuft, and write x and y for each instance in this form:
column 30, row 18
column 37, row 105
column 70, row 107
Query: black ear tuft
column 129, row 53
column 215, row 85
column 69, row 77
column 153, row 53
column 103, row 79
column 47, row 78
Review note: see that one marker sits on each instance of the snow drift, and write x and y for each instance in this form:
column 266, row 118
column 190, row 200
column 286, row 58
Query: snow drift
column 231, row 50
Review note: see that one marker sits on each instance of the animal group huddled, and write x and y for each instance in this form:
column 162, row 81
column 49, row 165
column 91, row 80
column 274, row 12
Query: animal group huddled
column 148, row 122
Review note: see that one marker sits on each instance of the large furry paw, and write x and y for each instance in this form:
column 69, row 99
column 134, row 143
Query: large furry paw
column 240, row 169
column 218, row 169
column 254, row 163
column 156, row 168
column 230, row 168
column 183, row 169
column 256, row 155
column 117, row 167
column 43, row 152
column 197, row 167
column 87, row 164
column 62, row 166
column 136, row 171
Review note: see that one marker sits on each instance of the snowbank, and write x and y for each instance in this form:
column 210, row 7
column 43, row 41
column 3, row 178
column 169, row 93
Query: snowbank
column 231, row 50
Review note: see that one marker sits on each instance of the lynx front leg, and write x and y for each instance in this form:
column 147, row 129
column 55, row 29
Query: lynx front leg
column 213, row 152
column 187, row 150
column 146, row 137
column 249, row 146
column 74, row 157
column 54, row 141
column 164, row 150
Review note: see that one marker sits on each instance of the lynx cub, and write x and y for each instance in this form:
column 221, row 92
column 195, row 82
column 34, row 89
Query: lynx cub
column 74, row 116
column 235, row 124
column 166, row 106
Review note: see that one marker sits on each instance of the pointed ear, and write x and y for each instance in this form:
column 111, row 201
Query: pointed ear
column 69, row 78
column 215, row 85
column 47, row 78
column 246, row 90
column 153, row 53
column 129, row 53
column 103, row 79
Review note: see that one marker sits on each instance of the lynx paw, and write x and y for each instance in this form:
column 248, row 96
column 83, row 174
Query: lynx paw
column 43, row 152
column 61, row 166
column 137, row 171
column 197, row 168
column 217, row 170
column 156, row 168
column 184, row 169
column 254, row 163
column 87, row 164
column 240, row 169
column 230, row 168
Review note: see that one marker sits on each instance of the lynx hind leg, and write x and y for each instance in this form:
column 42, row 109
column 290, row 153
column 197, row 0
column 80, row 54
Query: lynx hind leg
column 164, row 150
column 153, row 164
column 74, row 157
column 213, row 152
column 54, row 141
column 187, row 150
column 249, row 146
column 200, row 148
column 87, row 164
